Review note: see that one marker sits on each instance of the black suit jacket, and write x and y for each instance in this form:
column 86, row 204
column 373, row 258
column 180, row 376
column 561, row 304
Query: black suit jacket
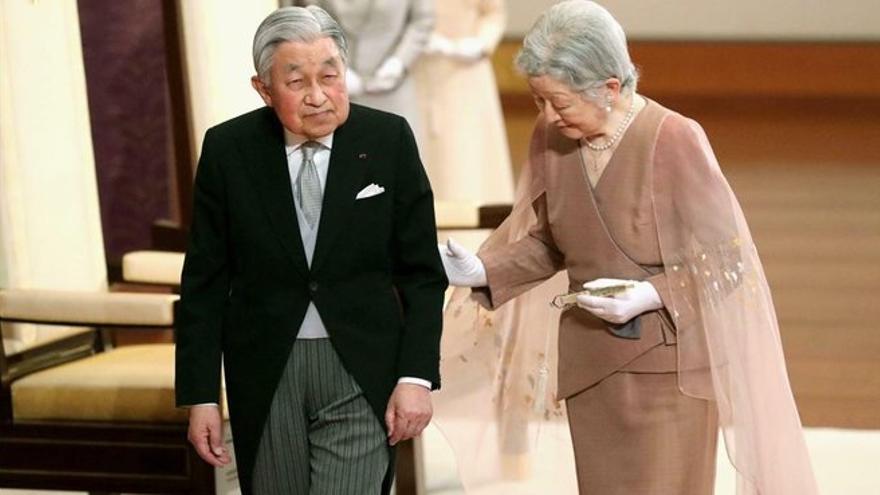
column 376, row 277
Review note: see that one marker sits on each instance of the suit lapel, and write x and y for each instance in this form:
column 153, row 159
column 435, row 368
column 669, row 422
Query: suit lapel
column 345, row 177
column 268, row 165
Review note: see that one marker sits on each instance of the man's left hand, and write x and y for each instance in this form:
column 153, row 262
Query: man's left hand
column 409, row 412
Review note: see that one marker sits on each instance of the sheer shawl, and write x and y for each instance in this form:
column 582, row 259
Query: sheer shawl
column 728, row 339
column 498, row 406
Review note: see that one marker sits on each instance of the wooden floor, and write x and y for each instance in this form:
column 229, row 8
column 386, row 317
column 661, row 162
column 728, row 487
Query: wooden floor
column 807, row 173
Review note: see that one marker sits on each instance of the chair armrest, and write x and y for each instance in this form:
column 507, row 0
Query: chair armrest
column 469, row 215
column 491, row 216
column 83, row 308
column 152, row 267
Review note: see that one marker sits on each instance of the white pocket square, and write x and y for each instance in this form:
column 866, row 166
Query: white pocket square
column 370, row 191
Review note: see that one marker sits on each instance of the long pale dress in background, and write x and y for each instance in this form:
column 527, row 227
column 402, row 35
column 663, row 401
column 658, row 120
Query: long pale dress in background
column 463, row 142
column 377, row 30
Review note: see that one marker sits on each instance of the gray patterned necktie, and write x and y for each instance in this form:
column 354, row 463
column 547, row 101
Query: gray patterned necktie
column 308, row 185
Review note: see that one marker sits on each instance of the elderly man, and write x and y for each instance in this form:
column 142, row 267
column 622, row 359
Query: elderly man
column 312, row 272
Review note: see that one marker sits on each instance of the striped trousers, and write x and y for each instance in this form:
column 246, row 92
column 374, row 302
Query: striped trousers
column 321, row 437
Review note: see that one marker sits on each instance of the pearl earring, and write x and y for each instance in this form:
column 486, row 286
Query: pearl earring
column 608, row 104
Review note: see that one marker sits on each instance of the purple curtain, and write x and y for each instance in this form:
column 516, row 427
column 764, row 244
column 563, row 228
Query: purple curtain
column 124, row 56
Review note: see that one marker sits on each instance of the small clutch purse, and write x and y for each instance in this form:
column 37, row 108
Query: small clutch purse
column 566, row 301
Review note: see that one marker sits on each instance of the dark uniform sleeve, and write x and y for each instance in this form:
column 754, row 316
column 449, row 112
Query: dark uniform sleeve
column 204, row 287
column 417, row 270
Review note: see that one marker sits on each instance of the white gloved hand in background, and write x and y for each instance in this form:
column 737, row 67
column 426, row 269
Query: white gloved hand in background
column 463, row 268
column 387, row 76
column 353, row 82
column 469, row 49
column 622, row 307
column 439, row 45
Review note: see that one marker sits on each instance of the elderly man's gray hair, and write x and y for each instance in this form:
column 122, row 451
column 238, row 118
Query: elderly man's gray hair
column 579, row 43
column 298, row 24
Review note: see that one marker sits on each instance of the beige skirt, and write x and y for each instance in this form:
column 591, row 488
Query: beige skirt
column 637, row 434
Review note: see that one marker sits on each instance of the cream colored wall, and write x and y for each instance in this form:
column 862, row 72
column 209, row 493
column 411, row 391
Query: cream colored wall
column 50, row 221
column 717, row 19
column 217, row 38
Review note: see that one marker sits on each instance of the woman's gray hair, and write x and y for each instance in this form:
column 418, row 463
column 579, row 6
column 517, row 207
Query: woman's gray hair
column 298, row 24
column 579, row 43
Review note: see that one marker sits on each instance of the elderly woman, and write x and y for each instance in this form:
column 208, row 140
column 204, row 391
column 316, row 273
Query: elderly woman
column 672, row 331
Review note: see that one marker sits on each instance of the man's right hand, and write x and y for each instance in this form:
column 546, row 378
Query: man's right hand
column 206, row 434
column 463, row 268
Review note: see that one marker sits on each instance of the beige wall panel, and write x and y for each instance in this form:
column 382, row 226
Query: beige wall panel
column 713, row 19
column 217, row 37
column 50, row 224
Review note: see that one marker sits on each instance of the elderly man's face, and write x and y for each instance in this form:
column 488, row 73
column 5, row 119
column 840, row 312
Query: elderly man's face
column 575, row 116
column 307, row 87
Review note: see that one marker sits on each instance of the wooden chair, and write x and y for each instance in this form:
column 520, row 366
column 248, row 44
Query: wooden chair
column 77, row 414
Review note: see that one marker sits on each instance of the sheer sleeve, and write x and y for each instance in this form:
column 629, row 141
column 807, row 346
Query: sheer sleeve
column 512, row 269
column 729, row 345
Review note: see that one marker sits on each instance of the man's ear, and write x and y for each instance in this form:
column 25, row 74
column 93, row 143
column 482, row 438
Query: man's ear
column 261, row 88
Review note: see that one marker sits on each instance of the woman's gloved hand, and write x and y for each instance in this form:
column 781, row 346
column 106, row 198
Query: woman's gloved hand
column 622, row 307
column 463, row 268
column 469, row 49
column 439, row 45
column 387, row 76
column 353, row 83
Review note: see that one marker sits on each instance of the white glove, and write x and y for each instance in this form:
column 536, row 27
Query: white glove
column 439, row 45
column 353, row 82
column 624, row 306
column 469, row 49
column 387, row 76
column 463, row 268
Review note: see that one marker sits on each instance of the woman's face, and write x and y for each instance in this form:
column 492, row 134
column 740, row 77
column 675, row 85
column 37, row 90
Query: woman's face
column 573, row 114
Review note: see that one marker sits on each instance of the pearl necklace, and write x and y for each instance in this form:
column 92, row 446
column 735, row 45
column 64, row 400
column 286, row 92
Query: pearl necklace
column 619, row 132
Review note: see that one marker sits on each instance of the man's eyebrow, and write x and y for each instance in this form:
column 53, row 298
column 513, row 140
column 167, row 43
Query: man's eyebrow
column 291, row 67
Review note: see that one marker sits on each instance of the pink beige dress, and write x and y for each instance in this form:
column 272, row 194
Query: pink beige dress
column 644, row 401
column 462, row 140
